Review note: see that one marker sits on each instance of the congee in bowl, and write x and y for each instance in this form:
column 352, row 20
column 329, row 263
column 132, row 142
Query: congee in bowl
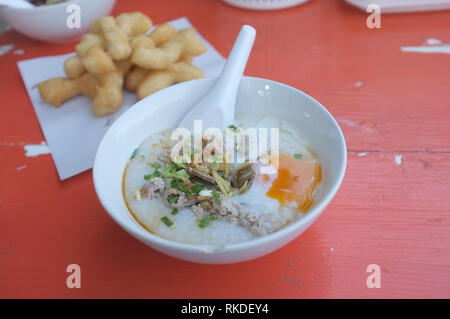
column 220, row 211
column 248, row 181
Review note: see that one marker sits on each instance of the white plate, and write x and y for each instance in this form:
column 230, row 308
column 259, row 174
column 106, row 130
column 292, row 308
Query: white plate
column 396, row 6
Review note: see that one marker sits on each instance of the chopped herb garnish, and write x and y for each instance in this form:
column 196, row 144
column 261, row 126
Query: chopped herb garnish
column 175, row 211
column 171, row 172
column 180, row 164
column 214, row 165
column 148, row 177
column 204, row 222
column 155, row 165
column 216, row 195
column 172, row 198
column 179, row 184
column 184, row 189
column 233, row 127
column 298, row 156
column 192, row 152
column 197, row 188
column 171, row 168
column 175, row 182
column 166, row 221
column 133, row 155
column 182, row 173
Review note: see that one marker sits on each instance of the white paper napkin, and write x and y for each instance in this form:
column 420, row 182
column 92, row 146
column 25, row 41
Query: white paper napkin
column 72, row 132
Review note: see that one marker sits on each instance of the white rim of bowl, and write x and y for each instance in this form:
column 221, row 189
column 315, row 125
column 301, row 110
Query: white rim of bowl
column 49, row 6
column 145, row 235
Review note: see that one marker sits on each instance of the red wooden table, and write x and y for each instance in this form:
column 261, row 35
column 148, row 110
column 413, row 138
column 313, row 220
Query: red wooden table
column 394, row 212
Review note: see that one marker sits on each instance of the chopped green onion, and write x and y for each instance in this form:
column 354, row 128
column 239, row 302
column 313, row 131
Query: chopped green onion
column 204, row 222
column 171, row 168
column 175, row 182
column 183, row 188
column 179, row 184
column 148, row 177
column 197, row 188
column 155, row 165
column 233, row 127
column 175, row 211
column 214, row 165
column 183, row 173
column 166, row 221
column 216, row 195
column 180, row 164
column 133, row 155
column 172, row 198
column 298, row 156
column 171, row 172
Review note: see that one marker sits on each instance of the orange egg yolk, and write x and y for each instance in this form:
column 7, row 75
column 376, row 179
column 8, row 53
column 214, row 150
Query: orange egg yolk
column 296, row 181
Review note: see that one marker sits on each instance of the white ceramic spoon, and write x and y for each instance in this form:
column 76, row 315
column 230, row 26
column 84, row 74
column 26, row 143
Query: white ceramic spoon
column 16, row 4
column 216, row 109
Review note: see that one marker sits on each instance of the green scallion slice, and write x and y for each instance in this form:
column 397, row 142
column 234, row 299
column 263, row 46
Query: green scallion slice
column 166, row 221
column 204, row 222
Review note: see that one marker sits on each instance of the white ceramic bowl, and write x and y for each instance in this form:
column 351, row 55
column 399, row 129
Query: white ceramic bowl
column 265, row 4
column 166, row 108
column 49, row 23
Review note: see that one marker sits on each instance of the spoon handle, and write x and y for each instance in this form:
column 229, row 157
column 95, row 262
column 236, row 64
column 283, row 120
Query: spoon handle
column 227, row 85
column 217, row 108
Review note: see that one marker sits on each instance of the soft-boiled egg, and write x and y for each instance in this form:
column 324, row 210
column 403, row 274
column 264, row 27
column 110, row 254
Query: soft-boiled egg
column 297, row 178
column 294, row 182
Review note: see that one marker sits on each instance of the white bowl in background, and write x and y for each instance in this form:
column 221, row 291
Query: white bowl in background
column 265, row 4
column 165, row 109
column 48, row 23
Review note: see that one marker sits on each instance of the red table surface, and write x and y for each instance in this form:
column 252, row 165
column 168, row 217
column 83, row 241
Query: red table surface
column 385, row 213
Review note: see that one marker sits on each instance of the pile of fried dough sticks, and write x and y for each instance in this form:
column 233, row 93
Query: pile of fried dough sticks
column 120, row 52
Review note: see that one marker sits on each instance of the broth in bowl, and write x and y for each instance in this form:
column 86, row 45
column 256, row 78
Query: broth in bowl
column 220, row 202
